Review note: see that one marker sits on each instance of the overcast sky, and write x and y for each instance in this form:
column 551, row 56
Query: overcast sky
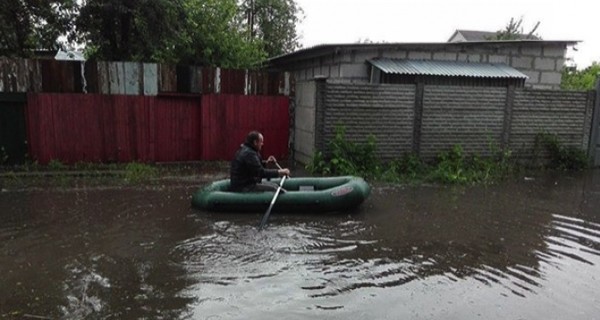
column 348, row 21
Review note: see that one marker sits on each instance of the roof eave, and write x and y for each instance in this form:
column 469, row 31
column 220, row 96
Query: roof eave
column 322, row 49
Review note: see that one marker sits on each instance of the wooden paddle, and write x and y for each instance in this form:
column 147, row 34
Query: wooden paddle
column 265, row 218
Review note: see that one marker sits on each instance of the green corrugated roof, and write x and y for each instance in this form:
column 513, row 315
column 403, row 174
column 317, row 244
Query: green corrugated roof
column 446, row 68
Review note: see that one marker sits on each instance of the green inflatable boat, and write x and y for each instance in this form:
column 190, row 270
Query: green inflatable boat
column 307, row 195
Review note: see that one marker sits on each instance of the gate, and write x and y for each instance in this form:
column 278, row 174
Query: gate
column 13, row 140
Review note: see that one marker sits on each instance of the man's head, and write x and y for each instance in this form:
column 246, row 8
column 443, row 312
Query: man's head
column 255, row 139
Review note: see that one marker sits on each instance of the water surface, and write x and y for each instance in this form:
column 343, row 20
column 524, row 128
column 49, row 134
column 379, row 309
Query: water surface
column 525, row 249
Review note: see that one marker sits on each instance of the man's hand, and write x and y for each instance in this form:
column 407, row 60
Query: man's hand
column 284, row 172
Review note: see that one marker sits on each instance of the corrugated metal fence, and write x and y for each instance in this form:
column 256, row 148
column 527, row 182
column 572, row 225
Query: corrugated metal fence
column 135, row 78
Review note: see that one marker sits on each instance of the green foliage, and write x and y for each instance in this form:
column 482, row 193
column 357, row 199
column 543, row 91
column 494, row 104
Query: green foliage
column 201, row 32
column 450, row 167
column 319, row 164
column 409, row 167
column 562, row 157
column 129, row 30
column 27, row 25
column 453, row 166
column 347, row 157
column 573, row 79
column 221, row 33
column 514, row 31
column 138, row 172
column 212, row 37
column 56, row 165
column 273, row 23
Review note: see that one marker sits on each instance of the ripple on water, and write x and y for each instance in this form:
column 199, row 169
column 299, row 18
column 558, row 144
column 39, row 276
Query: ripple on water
column 331, row 262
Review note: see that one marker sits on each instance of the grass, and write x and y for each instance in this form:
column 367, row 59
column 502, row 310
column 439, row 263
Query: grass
column 59, row 175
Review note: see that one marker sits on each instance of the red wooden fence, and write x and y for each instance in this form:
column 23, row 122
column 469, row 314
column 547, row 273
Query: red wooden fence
column 117, row 128
column 227, row 119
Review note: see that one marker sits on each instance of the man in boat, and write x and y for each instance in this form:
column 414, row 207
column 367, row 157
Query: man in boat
column 248, row 169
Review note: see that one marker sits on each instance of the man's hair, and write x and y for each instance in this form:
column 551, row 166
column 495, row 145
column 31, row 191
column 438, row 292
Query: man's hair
column 251, row 137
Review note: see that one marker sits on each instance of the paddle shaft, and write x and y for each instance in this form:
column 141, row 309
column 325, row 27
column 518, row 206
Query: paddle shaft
column 277, row 164
column 265, row 218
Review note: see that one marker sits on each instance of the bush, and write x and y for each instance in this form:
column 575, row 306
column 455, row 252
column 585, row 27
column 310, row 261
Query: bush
column 562, row 157
column 56, row 165
column 347, row 157
column 408, row 168
column 452, row 166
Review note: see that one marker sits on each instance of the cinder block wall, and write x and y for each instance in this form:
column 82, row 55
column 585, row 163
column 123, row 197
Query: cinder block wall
column 470, row 116
column 386, row 111
column 542, row 63
column 565, row 113
column 473, row 117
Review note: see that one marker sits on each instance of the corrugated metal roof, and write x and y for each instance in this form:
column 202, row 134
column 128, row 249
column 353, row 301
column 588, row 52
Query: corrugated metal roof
column 446, row 68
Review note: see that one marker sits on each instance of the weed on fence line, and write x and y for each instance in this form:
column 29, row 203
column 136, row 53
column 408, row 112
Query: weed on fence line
column 137, row 172
column 453, row 166
column 562, row 157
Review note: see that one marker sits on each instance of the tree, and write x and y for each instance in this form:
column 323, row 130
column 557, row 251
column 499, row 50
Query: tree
column 213, row 36
column 27, row 25
column 273, row 22
column 514, row 31
column 573, row 79
column 203, row 32
column 137, row 30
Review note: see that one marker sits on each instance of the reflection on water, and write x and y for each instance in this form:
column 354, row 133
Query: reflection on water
column 524, row 249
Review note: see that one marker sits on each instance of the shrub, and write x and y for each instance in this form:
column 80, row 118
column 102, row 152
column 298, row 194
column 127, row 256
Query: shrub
column 452, row 166
column 56, row 165
column 562, row 157
column 347, row 157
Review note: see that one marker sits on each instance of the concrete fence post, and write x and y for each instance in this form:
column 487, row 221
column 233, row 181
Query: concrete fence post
column 594, row 147
column 508, row 108
column 418, row 118
column 320, row 91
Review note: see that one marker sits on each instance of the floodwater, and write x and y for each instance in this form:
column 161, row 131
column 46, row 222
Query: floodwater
column 525, row 249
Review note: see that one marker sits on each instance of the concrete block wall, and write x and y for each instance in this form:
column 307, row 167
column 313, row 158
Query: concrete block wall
column 470, row 116
column 542, row 63
column 473, row 117
column 386, row 111
column 564, row 113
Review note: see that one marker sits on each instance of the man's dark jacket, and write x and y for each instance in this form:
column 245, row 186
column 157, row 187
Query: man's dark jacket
column 247, row 169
